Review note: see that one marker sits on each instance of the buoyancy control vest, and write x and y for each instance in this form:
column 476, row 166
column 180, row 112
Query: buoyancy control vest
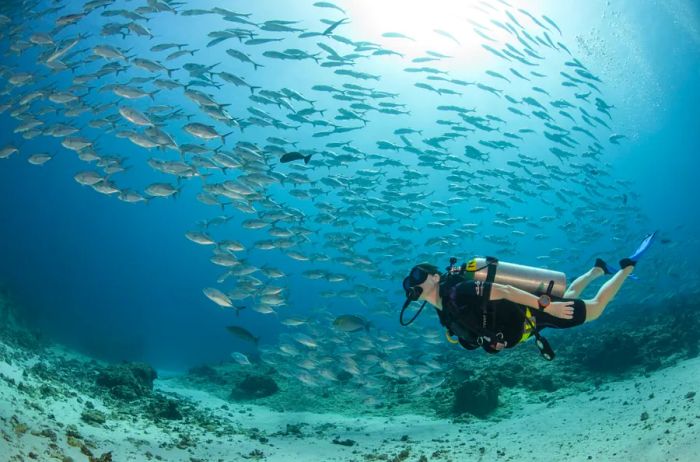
column 476, row 330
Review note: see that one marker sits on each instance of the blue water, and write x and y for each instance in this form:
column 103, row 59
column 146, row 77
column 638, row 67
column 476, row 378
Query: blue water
column 120, row 281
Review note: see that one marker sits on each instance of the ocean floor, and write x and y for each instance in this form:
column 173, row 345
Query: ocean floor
column 50, row 409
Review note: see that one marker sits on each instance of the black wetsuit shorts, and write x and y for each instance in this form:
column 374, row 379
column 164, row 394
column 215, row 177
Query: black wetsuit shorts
column 543, row 319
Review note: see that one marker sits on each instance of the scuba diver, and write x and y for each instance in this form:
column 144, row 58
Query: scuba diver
column 497, row 305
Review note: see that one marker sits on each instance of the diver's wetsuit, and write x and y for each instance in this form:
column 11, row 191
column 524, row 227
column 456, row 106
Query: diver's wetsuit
column 462, row 314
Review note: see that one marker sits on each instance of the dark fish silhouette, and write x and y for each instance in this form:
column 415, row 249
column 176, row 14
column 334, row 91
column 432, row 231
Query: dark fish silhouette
column 350, row 323
column 243, row 334
column 291, row 156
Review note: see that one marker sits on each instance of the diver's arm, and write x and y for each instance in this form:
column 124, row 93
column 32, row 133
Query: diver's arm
column 519, row 296
column 562, row 309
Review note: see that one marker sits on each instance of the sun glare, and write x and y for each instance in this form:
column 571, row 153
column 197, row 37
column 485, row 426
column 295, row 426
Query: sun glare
column 415, row 26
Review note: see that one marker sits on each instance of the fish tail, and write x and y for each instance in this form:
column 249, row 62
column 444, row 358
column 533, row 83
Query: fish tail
column 223, row 137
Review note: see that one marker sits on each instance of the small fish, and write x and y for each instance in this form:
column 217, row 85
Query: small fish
column 7, row 151
column 167, row 46
column 60, row 51
column 615, row 138
column 243, row 334
column 518, row 74
column 306, row 340
column 240, row 358
column 39, row 159
column 204, row 132
column 446, row 34
column 424, row 59
column 162, row 190
column 293, row 322
column 437, row 55
column 218, row 297
column 497, row 75
column 199, row 238
column 87, row 178
column 333, row 26
column 329, row 5
column 483, row 35
column 494, row 51
column 239, row 55
column 134, row 116
column 292, row 156
column 407, row 131
column 351, row 323
column 261, row 41
column 397, row 35
column 552, row 23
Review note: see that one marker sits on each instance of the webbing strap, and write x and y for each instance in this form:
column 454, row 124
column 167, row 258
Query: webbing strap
column 490, row 277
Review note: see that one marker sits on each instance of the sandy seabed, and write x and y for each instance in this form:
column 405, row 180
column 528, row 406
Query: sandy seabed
column 654, row 417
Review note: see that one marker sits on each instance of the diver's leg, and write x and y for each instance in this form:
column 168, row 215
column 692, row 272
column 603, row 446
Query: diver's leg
column 595, row 306
column 582, row 282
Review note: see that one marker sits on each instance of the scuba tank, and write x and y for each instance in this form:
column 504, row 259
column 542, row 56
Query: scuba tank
column 528, row 278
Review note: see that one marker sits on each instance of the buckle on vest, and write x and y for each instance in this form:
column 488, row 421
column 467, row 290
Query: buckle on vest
column 483, row 338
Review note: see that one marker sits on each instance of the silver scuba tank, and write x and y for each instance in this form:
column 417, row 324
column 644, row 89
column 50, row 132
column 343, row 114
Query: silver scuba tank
column 528, row 278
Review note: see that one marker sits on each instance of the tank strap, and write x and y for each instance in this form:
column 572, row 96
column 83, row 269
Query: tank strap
column 490, row 277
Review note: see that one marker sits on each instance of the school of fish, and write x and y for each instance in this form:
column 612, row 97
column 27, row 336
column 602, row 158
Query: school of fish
column 295, row 171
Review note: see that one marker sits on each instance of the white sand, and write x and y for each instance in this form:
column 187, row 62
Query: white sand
column 596, row 425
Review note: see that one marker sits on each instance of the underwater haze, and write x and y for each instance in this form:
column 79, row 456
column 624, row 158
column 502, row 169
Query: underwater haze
column 244, row 185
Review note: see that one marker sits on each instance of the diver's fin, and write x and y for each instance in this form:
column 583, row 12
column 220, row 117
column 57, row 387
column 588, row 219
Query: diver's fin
column 643, row 247
column 632, row 259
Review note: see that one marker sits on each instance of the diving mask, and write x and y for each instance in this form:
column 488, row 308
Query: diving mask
column 416, row 277
column 411, row 284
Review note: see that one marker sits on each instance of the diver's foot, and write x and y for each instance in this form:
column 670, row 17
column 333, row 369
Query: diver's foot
column 625, row 262
column 599, row 263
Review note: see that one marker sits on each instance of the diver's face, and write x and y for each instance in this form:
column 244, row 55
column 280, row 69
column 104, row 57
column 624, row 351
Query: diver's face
column 429, row 286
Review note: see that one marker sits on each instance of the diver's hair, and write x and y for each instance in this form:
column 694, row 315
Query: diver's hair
column 427, row 267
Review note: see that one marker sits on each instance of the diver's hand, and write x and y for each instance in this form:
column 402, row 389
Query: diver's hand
column 563, row 310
